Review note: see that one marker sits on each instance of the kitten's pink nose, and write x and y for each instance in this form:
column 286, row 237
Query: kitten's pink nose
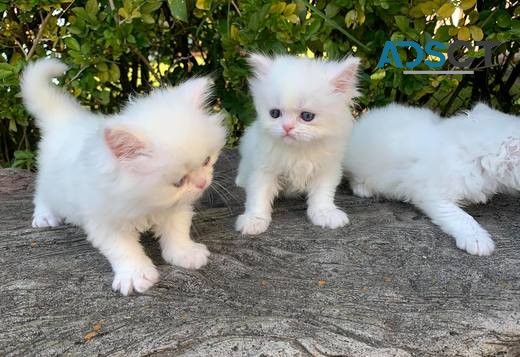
column 287, row 127
column 200, row 183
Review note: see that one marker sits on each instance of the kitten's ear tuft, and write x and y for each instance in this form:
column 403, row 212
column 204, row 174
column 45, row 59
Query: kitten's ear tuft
column 123, row 144
column 259, row 63
column 345, row 80
column 198, row 90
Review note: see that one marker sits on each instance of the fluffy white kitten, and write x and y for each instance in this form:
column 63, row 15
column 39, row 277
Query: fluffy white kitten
column 118, row 175
column 297, row 142
column 413, row 155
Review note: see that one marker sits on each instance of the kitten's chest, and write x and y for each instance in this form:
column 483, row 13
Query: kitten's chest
column 298, row 175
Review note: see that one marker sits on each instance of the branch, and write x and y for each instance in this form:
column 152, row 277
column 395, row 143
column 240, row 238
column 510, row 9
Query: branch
column 38, row 36
column 147, row 63
column 512, row 78
column 454, row 95
column 114, row 12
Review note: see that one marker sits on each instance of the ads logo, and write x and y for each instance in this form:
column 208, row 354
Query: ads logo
column 433, row 51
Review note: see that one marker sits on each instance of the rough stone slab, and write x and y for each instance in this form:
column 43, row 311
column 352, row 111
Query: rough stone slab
column 390, row 284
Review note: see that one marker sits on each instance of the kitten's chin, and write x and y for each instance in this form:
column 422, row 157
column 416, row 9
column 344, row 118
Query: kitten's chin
column 289, row 139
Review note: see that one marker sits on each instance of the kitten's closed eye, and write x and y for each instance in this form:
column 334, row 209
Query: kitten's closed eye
column 275, row 113
column 206, row 161
column 307, row 116
column 181, row 182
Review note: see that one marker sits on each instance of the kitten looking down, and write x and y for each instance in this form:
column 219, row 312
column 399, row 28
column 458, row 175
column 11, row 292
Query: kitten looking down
column 296, row 145
column 412, row 155
column 117, row 175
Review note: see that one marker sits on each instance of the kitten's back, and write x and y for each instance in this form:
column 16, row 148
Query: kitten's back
column 389, row 136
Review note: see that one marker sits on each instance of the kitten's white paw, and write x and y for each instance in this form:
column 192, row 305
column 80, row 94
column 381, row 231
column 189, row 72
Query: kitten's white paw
column 189, row 256
column 328, row 217
column 478, row 244
column 361, row 190
column 251, row 225
column 135, row 278
column 42, row 220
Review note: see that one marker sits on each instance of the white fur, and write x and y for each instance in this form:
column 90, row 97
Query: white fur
column 413, row 155
column 114, row 175
column 309, row 160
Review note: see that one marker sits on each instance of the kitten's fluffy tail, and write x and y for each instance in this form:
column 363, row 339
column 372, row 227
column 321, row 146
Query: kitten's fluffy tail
column 43, row 99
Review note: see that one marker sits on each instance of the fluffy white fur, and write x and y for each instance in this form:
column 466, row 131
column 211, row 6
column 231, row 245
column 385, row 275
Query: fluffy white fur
column 288, row 154
column 118, row 175
column 413, row 155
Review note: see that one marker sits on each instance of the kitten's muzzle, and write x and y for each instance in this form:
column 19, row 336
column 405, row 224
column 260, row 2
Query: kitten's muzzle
column 199, row 182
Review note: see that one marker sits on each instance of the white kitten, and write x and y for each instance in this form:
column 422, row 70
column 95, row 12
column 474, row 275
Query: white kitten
column 413, row 155
column 297, row 142
column 117, row 175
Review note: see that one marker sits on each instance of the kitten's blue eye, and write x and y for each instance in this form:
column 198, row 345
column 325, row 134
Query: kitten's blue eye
column 307, row 116
column 275, row 113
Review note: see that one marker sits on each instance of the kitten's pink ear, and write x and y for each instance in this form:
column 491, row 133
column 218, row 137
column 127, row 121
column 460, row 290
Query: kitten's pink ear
column 198, row 90
column 345, row 80
column 123, row 144
column 259, row 63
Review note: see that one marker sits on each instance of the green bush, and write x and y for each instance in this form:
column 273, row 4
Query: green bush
column 116, row 49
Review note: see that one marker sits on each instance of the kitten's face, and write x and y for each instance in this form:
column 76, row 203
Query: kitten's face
column 504, row 165
column 167, row 144
column 302, row 100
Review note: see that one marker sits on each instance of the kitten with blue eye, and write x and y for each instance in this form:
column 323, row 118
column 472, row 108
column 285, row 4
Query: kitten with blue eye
column 297, row 143
column 117, row 175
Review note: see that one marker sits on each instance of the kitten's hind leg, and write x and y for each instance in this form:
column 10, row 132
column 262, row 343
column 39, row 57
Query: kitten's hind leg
column 361, row 190
column 468, row 234
column 43, row 215
column 133, row 269
column 177, row 247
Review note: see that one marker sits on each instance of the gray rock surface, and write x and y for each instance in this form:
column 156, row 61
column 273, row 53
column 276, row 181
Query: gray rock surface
column 389, row 284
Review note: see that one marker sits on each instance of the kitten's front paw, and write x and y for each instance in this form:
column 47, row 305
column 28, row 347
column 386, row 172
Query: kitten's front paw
column 189, row 256
column 251, row 225
column 42, row 220
column 478, row 244
column 328, row 217
column 135, row 278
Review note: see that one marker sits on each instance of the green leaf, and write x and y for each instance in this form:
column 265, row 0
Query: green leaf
column 504, row 19
column 331, row 9
column 463, row 34
column 178, row 9
column 148, row 19
column 446, row 10
column 401, row 22
column 467, row 4
column 92, row 7
column 12, row 125
column 203, row 4
column 289, row 10
column 115, row 74
column 443, row 34
column 81, row 13
column 476, row 33
column 72, row 43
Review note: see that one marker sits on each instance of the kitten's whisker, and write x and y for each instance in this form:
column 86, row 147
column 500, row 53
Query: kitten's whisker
column 233, row 196
column 222, row 196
